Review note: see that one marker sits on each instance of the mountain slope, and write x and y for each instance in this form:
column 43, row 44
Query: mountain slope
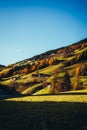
column 36, row 74
column 6, row 92
column 2, row 67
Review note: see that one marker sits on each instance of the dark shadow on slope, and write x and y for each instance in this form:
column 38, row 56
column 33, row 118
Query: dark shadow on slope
column 7, row 92
column 43, row 115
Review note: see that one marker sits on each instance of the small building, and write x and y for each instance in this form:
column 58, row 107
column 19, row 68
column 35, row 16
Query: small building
column 48, row 84
column 40, row 75
column 15, row 78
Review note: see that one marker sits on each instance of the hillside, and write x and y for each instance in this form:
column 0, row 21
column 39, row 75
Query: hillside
column 2, row 67
column 62, row 69
column 6, row 92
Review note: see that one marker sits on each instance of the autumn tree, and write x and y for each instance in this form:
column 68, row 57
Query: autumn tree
column 81, row 70
column 60, row 84
column 67, row 80
column 54, row 82
column 33, row 67
column 24, row 70
column 77, row 84
column 37, row 67
column 82, row 45
column 64, row 83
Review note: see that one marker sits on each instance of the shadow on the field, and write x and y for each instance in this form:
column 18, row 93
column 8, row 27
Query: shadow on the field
column 15, row 115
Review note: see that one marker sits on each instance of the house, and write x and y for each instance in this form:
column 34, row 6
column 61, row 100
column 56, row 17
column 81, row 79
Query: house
column 40, row 75
column 15, row 78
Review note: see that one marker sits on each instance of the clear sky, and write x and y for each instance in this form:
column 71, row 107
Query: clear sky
column 30, row 27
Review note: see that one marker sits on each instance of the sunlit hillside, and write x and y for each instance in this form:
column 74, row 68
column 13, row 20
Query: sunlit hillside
column 59, row 70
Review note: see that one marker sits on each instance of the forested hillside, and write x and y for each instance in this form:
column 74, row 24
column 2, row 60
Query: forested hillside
column 62, row 69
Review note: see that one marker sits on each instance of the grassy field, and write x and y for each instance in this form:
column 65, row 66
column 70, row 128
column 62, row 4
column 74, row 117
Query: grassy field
column 65, row 111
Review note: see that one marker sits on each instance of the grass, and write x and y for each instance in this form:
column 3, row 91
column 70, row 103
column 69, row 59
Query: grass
column 50, row 69
column 42, row 92
column 66, row 111
column 4, row 70
column 80, row 51
column 6, row 82
column 70, row 58
column 68, row 96
column 32, row 89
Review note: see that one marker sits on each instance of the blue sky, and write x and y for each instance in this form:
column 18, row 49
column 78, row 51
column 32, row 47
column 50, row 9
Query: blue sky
column 30, row 27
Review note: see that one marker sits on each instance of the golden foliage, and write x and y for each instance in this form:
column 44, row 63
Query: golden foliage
column 77, row 84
